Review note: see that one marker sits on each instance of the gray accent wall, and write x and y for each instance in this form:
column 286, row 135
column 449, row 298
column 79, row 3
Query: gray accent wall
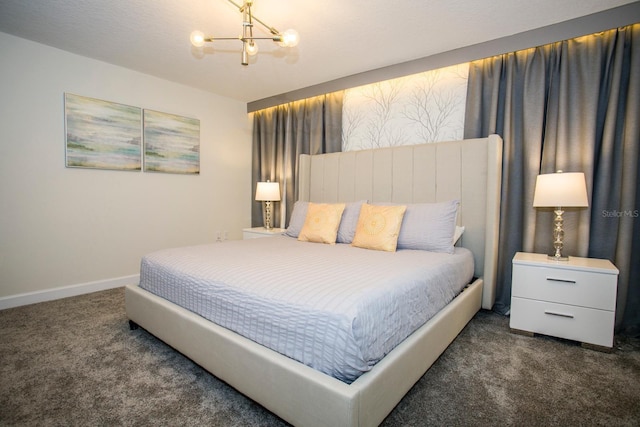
column 612, row 18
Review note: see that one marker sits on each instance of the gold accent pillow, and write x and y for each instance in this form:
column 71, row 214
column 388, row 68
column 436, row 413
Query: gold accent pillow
column 378, row 227
column 321, row 223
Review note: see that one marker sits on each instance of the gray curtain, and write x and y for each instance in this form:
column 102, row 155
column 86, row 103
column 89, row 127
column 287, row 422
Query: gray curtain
column 575, row 106
column 280, row 135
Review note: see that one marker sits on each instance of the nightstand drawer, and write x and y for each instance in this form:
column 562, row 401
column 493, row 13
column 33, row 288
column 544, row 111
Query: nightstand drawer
column 564, row 321
column 565, row 286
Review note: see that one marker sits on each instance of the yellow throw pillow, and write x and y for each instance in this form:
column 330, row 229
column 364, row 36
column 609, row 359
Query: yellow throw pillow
column 378, row 227
column 321, row 223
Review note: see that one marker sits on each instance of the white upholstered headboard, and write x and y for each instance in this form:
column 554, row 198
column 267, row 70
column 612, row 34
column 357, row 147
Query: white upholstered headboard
column 467, row 170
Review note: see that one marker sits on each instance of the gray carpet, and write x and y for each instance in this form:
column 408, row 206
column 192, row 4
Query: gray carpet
column 74, row 362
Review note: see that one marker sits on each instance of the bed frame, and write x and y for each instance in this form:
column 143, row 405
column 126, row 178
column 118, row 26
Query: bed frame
column 468, row 170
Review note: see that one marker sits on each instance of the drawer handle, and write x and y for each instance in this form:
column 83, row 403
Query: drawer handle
column 553, row 313
column 551, row 279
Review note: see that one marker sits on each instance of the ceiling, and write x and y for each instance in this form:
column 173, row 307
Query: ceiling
column 338, row 37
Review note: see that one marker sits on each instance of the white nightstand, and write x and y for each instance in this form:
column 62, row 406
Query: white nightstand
column 257, row 232
column 573, row 299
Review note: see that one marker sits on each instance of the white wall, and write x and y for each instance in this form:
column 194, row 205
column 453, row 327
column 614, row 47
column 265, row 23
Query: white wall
column 61, row 227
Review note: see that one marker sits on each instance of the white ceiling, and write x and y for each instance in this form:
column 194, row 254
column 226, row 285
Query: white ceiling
column 338, row 37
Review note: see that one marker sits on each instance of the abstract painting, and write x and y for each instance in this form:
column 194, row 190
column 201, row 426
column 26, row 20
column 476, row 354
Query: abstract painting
column 102, row 134
column 171, row 143
column 415, row 109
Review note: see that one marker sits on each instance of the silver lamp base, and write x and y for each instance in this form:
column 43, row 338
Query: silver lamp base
column 558, row 236
column 267, row 215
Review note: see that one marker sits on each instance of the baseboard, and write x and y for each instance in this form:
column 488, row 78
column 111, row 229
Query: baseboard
column 66, row 291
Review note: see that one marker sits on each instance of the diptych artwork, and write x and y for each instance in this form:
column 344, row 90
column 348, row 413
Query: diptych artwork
column 107, row 135
column 102, row 134
column 171, row 143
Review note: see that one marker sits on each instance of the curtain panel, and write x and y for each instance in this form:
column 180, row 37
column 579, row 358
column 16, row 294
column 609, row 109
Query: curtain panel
column 573, row 106
column 280, row 135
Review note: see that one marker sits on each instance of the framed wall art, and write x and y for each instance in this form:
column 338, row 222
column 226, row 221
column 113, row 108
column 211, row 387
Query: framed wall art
column 171, row 143
column 102, row 134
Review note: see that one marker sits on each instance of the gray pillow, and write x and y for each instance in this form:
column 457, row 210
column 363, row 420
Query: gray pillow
column 348, row 223
column 298, row 215
column 429, row 226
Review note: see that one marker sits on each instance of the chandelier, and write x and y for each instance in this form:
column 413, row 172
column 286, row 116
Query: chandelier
column 288, row 38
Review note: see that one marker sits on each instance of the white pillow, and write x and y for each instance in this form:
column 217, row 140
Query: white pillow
column 457, row 234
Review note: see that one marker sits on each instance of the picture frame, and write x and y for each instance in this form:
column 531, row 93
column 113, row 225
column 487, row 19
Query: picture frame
column 102, row 134
column 171, row 143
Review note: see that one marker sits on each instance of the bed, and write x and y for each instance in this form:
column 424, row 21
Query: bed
column 467, row 170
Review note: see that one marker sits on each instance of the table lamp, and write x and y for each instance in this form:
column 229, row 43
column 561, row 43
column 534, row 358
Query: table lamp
column 560, row 190
column 267, row 192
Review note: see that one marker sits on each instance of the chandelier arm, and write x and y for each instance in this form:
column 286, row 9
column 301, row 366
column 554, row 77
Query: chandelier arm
column 249, row 48
column 250, row 15
column 236, row 5
column 211, row 39
column 271, row 29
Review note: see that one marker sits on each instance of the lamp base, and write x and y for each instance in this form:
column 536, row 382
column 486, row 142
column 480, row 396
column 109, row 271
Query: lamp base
column 267, row 215
column 558, row 236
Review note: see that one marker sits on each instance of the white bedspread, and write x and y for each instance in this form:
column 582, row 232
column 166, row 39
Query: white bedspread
column 336, row 308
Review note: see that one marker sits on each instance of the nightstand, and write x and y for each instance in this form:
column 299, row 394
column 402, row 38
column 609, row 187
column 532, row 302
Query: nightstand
column 574, row 299
column 257, row 232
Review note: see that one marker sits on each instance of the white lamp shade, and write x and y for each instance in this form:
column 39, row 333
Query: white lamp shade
column 561, row 189
column 268, row 191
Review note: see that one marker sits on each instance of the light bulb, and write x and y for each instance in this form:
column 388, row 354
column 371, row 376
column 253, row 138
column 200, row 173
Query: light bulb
column 252, row 48
column 290, row 38
column 197, row 38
